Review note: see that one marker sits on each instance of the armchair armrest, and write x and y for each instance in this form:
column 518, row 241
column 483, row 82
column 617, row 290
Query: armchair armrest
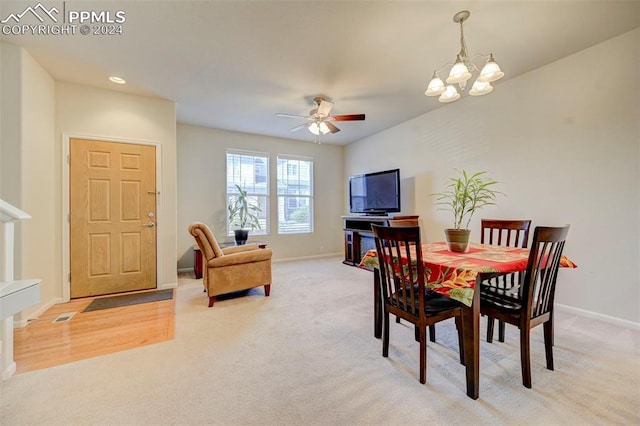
column 246, row 256
column 238, row 249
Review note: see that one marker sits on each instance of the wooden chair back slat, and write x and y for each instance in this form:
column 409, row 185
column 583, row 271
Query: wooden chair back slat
column 510, row 233
column 542, row 271
column 402, row 275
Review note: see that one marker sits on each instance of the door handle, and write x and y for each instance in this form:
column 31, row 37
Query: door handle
column 149, row 224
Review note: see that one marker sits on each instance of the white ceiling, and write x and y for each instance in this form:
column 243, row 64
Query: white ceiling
column 235, row 64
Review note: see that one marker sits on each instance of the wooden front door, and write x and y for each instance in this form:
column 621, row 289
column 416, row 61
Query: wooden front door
column 112, row 199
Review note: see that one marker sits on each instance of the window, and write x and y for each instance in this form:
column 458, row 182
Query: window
column 250, row 171
column 295, row 195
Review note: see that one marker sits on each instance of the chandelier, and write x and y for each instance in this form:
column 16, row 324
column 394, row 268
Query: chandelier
column 462, row 70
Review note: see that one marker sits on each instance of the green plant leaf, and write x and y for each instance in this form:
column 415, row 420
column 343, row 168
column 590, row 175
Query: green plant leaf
column 242, row 210
column 465, row 194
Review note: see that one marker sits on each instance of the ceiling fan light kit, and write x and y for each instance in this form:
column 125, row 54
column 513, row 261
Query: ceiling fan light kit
column 319, row 120
column 319, row 127
column 462, row 70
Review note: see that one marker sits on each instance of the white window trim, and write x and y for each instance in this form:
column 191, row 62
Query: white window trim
column 311, row 197
column 267, row 156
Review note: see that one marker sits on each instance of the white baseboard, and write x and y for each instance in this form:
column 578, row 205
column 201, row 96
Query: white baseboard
column 41, row 310
column 605, row 318
column 167, row 286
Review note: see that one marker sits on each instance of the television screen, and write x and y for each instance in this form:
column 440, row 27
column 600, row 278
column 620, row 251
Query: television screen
column 375, row 193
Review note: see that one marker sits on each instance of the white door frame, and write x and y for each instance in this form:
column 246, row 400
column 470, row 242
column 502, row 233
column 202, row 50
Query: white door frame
column 66, row 266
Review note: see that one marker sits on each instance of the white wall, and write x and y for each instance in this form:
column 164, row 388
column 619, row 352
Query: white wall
column 82, row 110
column 564, row 141
column 37, row 152
column 10, row 128
column 27, row 151
column 202, row 190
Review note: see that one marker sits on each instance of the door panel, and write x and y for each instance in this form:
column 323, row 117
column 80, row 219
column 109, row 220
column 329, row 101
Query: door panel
column 112, row 217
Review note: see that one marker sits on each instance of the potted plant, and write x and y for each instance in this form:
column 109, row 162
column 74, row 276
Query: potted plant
column 465, row 194
column 242, row 215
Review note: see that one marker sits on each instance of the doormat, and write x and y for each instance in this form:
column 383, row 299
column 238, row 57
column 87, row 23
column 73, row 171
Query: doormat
column 129, row 299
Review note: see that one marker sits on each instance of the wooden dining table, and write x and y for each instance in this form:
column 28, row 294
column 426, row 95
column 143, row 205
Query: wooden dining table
column 455, row 275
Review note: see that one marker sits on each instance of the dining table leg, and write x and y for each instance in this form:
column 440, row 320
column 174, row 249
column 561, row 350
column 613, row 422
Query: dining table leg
column 377, row 305
column 470, row 330
column 471, row 338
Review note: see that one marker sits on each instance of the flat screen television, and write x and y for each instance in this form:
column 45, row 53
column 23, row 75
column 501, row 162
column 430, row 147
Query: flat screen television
column 375, row 193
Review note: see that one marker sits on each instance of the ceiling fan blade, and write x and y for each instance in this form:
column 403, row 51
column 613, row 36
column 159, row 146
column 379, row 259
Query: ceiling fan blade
column 301, row 126
column 348, row 117
column 332, row 127
column 281, row 114
column 324, row 108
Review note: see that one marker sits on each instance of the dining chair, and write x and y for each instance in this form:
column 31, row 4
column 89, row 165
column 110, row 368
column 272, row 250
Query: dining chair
column 404, row 293
column 411, row 220
column 532, row 303
column 510, row 233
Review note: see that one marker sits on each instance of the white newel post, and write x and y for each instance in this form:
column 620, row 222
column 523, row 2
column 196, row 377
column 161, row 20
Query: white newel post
column 14, row 295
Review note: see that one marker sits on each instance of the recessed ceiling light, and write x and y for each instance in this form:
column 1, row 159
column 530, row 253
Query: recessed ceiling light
column 117, row 80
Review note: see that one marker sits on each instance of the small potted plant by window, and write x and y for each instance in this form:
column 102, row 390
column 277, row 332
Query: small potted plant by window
column 243, row 215
column 465, row 194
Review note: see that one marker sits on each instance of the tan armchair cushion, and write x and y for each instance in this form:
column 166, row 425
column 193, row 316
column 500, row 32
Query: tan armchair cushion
column 250, row 256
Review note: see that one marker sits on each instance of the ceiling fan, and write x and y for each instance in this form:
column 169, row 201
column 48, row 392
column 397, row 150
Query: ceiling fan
column 319, row 122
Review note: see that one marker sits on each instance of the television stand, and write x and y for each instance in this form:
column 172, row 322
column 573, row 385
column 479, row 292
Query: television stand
column 358, row 236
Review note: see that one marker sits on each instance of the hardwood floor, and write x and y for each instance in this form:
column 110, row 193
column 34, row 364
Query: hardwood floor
column 43, row 343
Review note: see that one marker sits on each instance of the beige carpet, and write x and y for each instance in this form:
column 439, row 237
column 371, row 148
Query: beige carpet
column 306, row 355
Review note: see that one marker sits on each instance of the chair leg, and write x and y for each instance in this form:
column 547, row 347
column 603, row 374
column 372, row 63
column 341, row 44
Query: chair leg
column 548, row 342
column 211, row 300
column 489, row 329
column 423, row 355
column 501, row 331
column 267, row 289
column 460, row 339
column 525, row 356
column 432, row 332
column 385, row 334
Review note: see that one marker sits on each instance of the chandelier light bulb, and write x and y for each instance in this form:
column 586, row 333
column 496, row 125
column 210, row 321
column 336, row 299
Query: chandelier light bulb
column 324, row 129
column 449, row 95
column 491, row 71
column 480, row 88
column 436, row 86
column 459, row 72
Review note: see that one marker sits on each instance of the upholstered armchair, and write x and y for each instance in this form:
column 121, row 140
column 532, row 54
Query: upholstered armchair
column 232, row 268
